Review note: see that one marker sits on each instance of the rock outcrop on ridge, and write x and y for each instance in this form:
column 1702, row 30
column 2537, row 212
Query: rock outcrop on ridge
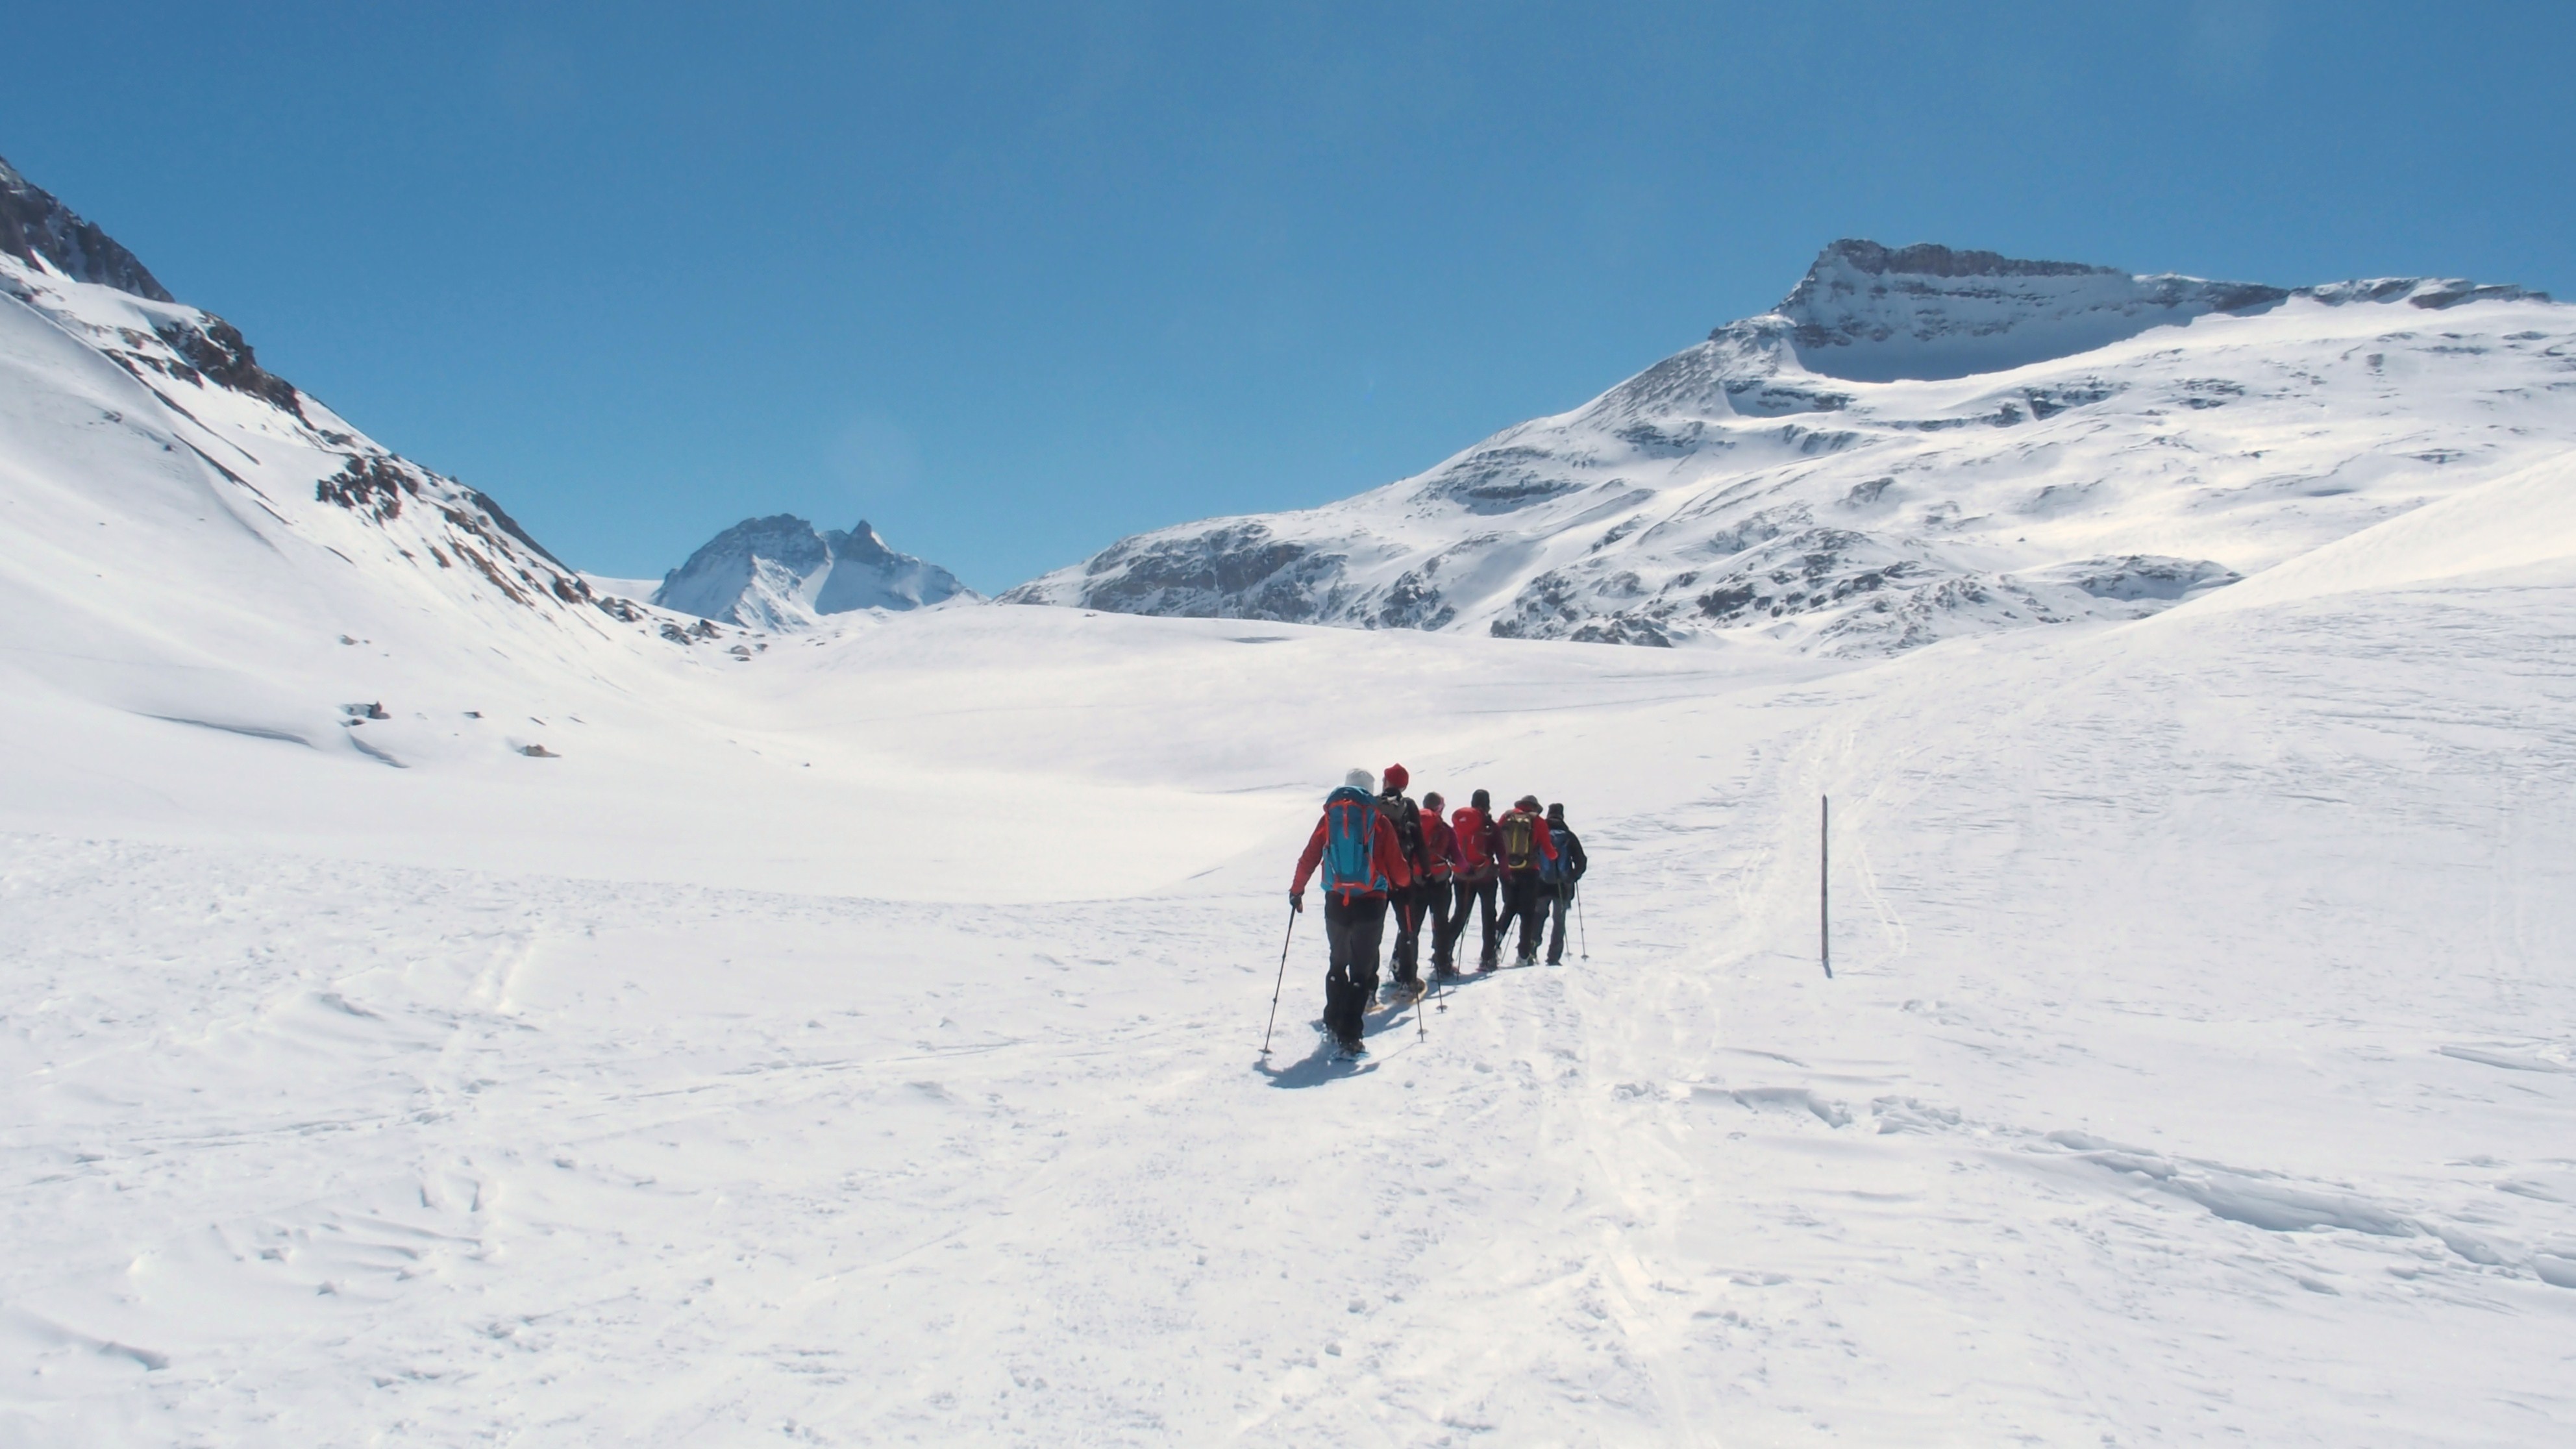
column 1916, row 443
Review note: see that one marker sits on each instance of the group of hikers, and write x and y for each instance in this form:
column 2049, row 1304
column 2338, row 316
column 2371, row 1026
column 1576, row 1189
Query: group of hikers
column 1381, row 853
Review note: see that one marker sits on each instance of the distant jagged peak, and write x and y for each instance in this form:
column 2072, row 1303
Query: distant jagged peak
column 864, row 544
column 781, row 573
column 39, row 230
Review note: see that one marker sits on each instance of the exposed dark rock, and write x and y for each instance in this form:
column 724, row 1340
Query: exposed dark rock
column 511, row 527
column 33, row 224
column 218, row 352
column 371, row 484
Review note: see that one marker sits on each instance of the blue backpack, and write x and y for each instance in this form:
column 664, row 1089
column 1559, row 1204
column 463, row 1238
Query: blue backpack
column 1350, row 845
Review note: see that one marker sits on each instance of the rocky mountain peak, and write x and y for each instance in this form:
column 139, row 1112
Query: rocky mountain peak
column 1871, row 313
column 782, row 572
column 41, row 231
column 1924, row 259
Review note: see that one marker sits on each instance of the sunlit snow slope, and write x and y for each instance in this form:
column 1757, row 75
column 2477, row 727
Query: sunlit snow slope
column 1914, row 445
column 856, row 1040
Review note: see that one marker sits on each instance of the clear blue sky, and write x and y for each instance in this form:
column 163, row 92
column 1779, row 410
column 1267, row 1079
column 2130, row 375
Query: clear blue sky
column 1012, row 281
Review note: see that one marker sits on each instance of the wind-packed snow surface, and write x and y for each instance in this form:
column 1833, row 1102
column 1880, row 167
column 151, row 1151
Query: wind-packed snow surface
column 857, row 1040
column 1915, row 445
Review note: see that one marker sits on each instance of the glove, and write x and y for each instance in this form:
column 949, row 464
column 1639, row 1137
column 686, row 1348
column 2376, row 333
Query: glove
column 1297, row 901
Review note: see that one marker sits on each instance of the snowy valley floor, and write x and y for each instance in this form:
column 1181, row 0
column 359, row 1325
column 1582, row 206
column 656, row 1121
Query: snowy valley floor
column 2199, row 1067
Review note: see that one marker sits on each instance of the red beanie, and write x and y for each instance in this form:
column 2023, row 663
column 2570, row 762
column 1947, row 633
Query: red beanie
column 1395, row 777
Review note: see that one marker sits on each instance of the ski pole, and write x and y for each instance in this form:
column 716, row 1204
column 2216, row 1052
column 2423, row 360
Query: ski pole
column 1440, row 986
column 1581, row 933
column 1281, row 984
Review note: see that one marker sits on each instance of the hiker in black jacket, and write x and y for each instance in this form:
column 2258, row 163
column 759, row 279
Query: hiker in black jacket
column 1410, row 901
column 1560, row 876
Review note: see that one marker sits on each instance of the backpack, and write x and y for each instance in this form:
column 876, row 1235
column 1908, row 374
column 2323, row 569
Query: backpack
column 1552, row 868
column 1474, row 835
column 1406, row 817
column 1350, row 845
column 1518, row 839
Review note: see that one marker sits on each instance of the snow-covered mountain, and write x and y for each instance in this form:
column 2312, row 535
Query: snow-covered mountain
column 782, row 573
column 1914, row 444
column 207, row 543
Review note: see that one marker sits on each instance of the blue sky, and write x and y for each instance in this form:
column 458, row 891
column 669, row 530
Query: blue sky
column 1013, row 281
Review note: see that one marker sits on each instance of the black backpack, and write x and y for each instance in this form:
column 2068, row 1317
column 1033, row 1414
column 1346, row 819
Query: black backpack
column 1406, row 817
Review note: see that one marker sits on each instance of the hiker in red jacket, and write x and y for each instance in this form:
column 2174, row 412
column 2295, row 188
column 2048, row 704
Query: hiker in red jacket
column 1362, row 863
column 1477, row 873
column 1522, row 844
column 1439, row 888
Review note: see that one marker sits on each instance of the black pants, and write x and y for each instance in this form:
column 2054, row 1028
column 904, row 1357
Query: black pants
column 1408, row 903
column 1351, row 931
column 1441, row 916
column 1470, row 892
column 1521, row 892
column 1560, row 899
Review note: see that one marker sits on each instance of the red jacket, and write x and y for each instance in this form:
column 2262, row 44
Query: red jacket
column 1542, row 841
column 1474, row 831
column 1385, row 851
column 1440, row 843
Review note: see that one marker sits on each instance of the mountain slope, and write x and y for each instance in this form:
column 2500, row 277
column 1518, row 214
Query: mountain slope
column 782, row 573
column 206, row 543
column 1916, row 444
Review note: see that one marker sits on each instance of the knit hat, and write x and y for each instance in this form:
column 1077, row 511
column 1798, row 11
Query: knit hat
column 1397, row 778
column 1360, row 780
column 1526, row 802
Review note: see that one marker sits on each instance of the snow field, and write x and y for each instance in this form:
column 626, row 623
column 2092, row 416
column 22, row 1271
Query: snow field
column 2198, row 1065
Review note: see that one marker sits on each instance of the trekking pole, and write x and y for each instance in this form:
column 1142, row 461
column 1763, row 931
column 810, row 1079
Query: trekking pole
column 1281, row 984
column 1421, row 1022
column 1581, row 934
